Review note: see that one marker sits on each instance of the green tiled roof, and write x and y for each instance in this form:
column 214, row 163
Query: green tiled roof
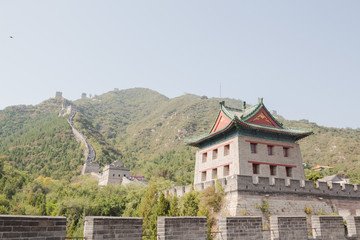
column 240, row 116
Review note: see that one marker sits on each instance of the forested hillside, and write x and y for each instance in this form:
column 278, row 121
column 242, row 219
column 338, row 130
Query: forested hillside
column 40, row 160
column 146, row 130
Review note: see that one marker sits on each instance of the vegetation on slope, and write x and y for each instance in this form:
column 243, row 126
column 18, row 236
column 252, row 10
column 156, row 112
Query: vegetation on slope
column 40, row 159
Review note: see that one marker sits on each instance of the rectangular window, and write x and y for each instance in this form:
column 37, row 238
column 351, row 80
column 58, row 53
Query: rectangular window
column 214, row 173
column 203, row 176
column 226, row 170
column 253, row 147
column 256, row 168
column 272, row 170
column 226, row 150
column 215, row 153
column 288, row 171
column 204, row 157
column 286, row 152
column 270, row 150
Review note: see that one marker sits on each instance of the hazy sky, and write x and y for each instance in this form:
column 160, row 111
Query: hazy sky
column 303, row 57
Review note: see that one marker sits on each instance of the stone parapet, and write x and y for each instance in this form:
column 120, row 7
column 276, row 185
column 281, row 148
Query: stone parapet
column 180, row 228
column 288, row 227
column 265, row 185
column 353, row 226
column 328, row 227
column 113, row 228
column 32, row 227
column 246, row 228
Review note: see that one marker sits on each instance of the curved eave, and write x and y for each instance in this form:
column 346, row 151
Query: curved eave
column 208, row 136
column 297, row 135
column 256, row 110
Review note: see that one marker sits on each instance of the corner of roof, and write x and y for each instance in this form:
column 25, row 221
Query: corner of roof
column 224, row 109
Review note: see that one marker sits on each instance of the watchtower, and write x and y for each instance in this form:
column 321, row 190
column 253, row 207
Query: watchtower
column 248, row 141
column 58, row 95
column 114, row 173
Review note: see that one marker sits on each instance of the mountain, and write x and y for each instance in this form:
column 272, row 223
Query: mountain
column 146, row 130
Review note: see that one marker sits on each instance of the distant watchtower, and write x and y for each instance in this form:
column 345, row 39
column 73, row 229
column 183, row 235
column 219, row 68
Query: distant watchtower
column 83, row 96
column 114, row 173
column 248, row 141
column 58, row 95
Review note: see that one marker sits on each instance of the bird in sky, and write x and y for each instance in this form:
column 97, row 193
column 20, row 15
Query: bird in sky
column 11, row 37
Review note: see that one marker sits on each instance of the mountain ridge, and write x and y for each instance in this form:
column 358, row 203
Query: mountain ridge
column 146, row 130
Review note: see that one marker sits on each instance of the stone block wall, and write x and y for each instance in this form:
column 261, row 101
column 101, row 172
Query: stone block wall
column 119, row 228
column 288, row 227
column 179, row 228
column 328, row 227
column 353, row 226
column 32, row 227
column 247, row 228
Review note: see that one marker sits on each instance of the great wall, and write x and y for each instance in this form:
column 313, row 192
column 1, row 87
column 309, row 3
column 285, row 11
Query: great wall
column 115, row 173
column 89, row 152
column 189, row 228
column 261, row 173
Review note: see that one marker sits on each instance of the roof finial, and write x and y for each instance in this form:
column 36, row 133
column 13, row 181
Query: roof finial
column 244, row 105
column 222, row 103
column 260, row 100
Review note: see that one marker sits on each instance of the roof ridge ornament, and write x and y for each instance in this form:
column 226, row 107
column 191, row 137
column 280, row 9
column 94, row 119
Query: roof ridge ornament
column 260, row 100
column 244, row 105
column 222, row 103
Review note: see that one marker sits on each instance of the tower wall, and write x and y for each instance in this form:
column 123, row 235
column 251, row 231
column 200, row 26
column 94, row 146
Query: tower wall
column 223, row 158
column 234, row 156
column 264, row 160
column 113, row 175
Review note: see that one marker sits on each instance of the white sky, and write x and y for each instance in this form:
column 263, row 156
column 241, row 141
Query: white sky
column 303, row 57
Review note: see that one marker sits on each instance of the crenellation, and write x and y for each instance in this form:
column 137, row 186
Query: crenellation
column 180, row 191
column 32, row 227
column 295, row 227
column 322, row 186
column 242, row 183
column 336, row 187
column 209, row 184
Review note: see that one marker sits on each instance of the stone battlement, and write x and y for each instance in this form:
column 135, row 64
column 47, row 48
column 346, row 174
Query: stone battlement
column 272, row 185
column 295, row 227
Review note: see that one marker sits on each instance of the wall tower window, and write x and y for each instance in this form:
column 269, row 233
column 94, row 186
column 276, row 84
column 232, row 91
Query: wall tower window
column 270, row 150
column 256, row 168
column 214, row 173
column 215, row 154
column 253, row 147
column 286, row 152
column 226, row 150
column 288, row 171
column 226, row 170
column 204, row 157
column 272, row 170
column 203, row 176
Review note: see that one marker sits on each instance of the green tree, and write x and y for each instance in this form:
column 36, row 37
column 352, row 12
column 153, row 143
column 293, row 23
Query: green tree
column 190, row 206
column 174, row 207
column 147, row 210
column 163, row 206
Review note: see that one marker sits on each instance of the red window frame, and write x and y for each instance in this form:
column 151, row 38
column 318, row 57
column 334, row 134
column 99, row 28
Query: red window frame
column 215, row 153
column 204, row 157
column 226, row 149
column 270, row 149
column 255, row 168
column 286, row 151
column 272, row 170
column 226, row 170
column 253, row 147
column 288, row 171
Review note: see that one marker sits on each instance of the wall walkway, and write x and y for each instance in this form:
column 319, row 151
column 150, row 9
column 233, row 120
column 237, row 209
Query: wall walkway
column 180, row 228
